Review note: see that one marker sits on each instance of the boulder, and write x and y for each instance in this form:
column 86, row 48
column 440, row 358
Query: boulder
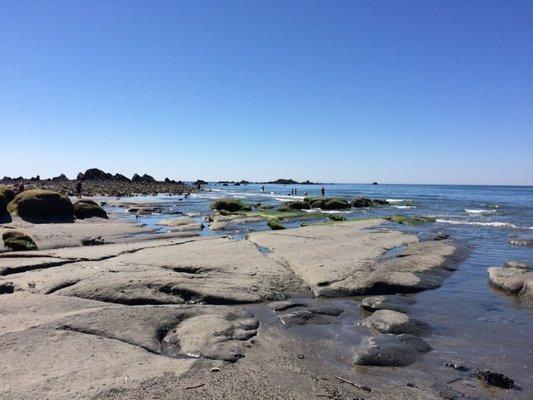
column 336, row 204
column 327, row 203
column 18, row 241
column 41, row 203
column 514, row 277
column 231, row 205
column 390, row 350
column 387, row 302
column 361, row 202
column 6, row 195
column 295, row 205
column 88, row 209
column 366, row 202
column 389, row 321
column 275, row 224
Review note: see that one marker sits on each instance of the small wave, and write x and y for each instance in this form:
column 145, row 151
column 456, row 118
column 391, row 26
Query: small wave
column 397, row 200
column 480, row 211
column 495, row 224
column 403, row 207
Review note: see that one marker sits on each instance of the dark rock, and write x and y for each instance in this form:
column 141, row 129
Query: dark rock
column 327, row 203
column 41, row 203
column 366, row 202
column 231, row 205
column 390, row 350
column 284, row 182
column 495, row 379
column 374, row 183
column 88, row 209
column 336, row 218
column 275, row 224
column 441, row 236
column 121, row 178
column 361, row 202
column 93, row 241
column 61, row 177
column 145, row 178
column 295, row 205
column 18, row 241
column 7, row 288
column 95, row 174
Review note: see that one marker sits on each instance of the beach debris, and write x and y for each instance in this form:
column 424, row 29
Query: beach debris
column 362, row 387
column 457, row 367
column 194, row 386
column 215, row 369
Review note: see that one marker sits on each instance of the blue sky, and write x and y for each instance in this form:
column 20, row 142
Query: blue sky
column 342, row 91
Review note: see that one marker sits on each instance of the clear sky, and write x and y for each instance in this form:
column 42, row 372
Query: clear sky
column 341, row 91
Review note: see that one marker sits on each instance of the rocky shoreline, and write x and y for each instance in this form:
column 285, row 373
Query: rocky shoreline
column 192, row 317
column 96, row 182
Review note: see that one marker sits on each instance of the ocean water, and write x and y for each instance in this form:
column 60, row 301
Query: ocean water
column 472, row 323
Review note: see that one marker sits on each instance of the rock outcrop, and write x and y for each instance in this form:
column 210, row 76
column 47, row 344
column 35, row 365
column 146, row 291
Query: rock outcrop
column 514, row 277
column 318, row 255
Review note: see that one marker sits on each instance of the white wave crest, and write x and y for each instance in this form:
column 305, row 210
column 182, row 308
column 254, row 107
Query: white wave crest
column 403, row 207
column 480, row 211
column 397, row 200
column 495, row 224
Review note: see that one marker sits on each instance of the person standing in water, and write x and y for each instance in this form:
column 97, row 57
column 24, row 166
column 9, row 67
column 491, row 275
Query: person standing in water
column 322, row 191
column 262, row 188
